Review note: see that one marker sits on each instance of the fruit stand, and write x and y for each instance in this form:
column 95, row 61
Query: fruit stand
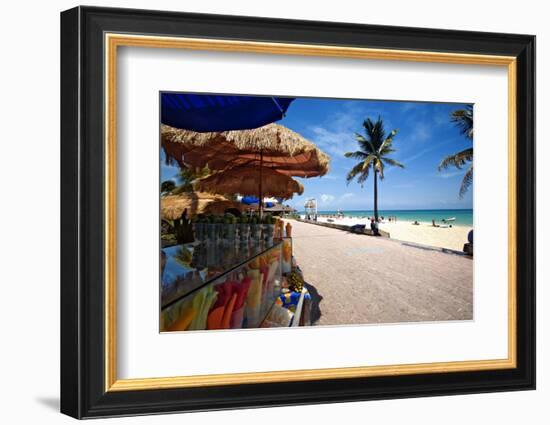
column 232, row 276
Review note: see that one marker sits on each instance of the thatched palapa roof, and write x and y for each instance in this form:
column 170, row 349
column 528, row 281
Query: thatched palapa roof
column 274, row 145
column 173, row 206
column 246, row 181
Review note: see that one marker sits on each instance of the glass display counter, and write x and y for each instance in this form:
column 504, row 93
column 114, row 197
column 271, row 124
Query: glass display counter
column 221, row 284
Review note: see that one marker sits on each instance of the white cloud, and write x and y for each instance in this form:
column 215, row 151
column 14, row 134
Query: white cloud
column 331, row 177
column 421, row 132
column 347, row 196
column 337, row 134
column 327, row 199
column 335, row 141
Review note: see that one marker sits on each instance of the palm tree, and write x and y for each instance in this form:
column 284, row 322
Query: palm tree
column 374, row 148
column 167, row 186
column 464, row 120
column 187, row 176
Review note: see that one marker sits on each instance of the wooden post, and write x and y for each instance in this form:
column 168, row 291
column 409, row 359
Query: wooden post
column 261, row 198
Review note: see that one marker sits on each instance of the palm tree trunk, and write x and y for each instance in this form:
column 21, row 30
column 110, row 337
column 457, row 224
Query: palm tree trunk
column 376, row 195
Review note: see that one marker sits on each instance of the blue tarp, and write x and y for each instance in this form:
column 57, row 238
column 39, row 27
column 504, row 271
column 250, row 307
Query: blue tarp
column 252, row 200
column 203, row 113
column 247, row 200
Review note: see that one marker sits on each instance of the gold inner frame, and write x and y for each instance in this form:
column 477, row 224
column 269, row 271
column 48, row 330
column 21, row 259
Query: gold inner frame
column 113, row 41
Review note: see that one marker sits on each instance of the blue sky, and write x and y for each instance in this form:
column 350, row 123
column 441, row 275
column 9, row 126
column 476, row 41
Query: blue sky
column 425, row 136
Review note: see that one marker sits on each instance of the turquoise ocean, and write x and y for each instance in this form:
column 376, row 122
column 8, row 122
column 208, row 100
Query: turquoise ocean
column 464, row 217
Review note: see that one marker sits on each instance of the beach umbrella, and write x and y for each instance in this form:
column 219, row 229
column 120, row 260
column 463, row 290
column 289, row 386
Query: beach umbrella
column 244, row 181
column 271, row 146
column 205, row 112
column 173, row 206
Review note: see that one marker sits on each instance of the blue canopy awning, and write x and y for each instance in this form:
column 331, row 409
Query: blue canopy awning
column 247, row 200
column 203, row 113
column 254, row 201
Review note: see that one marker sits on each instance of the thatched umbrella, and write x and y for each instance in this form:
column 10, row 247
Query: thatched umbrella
column 173, row 206
column 271, row 146
column 244, row 180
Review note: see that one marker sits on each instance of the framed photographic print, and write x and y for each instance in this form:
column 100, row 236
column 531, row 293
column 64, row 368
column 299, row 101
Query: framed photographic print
column 261, row 212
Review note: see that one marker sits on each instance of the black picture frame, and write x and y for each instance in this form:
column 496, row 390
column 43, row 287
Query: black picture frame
column 82, row 212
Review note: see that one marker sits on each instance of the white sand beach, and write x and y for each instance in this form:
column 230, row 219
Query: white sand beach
column 424, row 233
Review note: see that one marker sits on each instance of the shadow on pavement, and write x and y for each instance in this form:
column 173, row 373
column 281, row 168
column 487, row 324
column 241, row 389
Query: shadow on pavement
column 316, row 298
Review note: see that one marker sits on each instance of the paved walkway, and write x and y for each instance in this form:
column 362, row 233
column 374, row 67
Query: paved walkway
column 364, row 279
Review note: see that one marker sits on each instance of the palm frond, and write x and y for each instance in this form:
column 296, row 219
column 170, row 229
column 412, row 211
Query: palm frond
column 393, row 162
column 464, row 120
column 364, row 144
column 374, row 132
column 387, row 143
column 374, row 145
column 466, row 181
column 368, row 125
column 380, row 167
column 360, row 138
column 458, row 159
column 356, row 155
column 363, row 176
column 370, row 159
column 379, row 126
column 358, row 169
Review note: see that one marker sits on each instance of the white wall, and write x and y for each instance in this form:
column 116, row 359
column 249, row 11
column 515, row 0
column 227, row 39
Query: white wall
column 29, row 224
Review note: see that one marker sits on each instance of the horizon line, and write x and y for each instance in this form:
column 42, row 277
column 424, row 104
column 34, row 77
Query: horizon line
column 399, row 209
